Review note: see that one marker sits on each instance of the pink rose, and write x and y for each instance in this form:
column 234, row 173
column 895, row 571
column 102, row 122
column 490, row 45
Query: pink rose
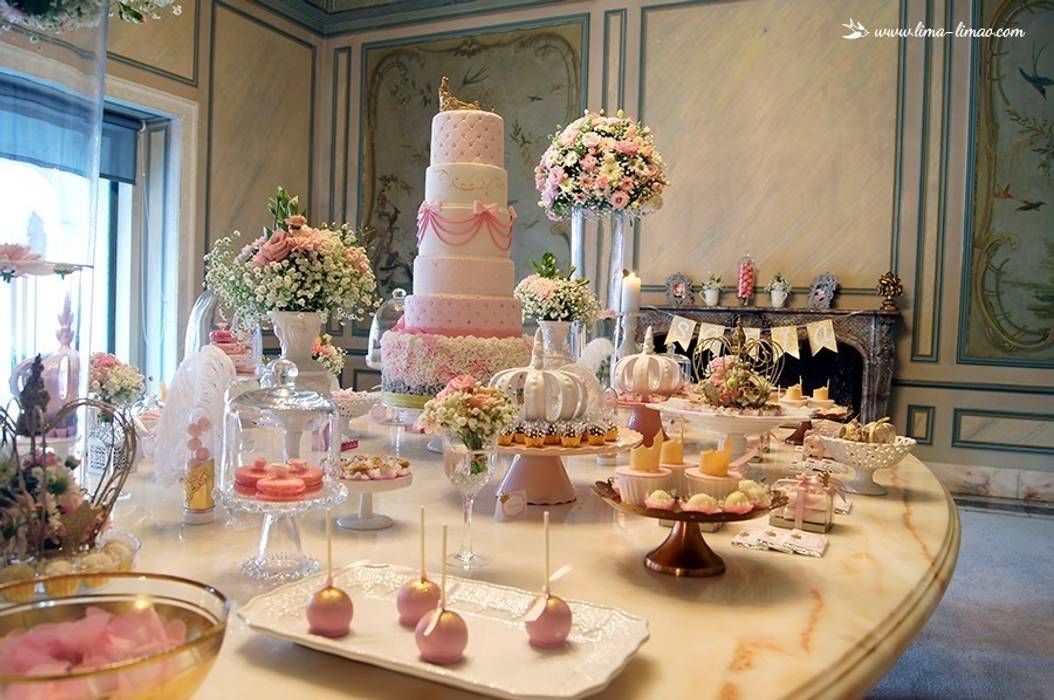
column 619, row 199
column 627, row 148
column 296, row 221
column 274, row 249
column 589, row 163
column 590, row 139
column 568, row 137
column 656, row 186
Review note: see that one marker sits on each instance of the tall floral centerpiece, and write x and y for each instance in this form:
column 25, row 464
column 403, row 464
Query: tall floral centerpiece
column 294, row 277
column 607, row 168
column 470, row 417
column 556, row 300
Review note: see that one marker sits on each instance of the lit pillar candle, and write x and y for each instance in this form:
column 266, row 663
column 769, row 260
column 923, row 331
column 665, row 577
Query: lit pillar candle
column 630, row 293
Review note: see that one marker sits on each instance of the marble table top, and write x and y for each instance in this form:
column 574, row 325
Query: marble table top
column 773, row 626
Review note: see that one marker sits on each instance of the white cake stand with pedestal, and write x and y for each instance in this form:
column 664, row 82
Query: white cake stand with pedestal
column 366, row 518
column 730, row 426
column 541, row 473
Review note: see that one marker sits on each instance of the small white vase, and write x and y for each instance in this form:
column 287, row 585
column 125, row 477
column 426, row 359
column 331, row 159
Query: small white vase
column 555, row 350
column 296, row 332
column 711, row 296
column 779, row 298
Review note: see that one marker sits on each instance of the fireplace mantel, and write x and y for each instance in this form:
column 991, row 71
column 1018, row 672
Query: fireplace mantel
column 869, row 331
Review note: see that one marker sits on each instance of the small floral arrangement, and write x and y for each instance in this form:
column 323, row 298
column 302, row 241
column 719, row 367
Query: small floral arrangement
column 731, row 383
column 328, row 355
column 63, row 15
column 712, row 281
column 601, row 163
column 551, row 295
column 470, row 411
column 292, row 267
column 779, row 283
column 113, row 381
column 37, row 491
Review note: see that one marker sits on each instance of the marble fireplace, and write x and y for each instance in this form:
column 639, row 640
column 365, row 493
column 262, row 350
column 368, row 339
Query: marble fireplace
column 860, row 373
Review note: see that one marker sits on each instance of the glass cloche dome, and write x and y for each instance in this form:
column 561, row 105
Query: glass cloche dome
column 281, row 434
column 385, row 319
column 211, row 323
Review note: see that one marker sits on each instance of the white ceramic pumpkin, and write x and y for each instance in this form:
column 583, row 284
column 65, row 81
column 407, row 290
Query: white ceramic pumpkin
column 544, row 394
column 647, row 373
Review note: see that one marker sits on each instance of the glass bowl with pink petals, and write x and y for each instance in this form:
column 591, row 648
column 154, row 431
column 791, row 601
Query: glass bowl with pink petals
column 136, row 636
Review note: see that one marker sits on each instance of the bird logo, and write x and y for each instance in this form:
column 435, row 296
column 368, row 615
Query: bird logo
column 856, row 30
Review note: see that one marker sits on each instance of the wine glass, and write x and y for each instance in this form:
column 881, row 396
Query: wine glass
column 468, row 468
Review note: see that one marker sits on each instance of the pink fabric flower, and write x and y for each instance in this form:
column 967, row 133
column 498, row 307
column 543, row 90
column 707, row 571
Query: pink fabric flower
column 274, row 249
column 619, row 199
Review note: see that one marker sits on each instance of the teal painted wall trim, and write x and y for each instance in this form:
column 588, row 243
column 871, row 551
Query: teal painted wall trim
column 621, row 90
column 974, row 386
column 957, row 440
column 339, row 54
column 192, row 79
column 927, row 437
column 968, row 220
column 924, row 160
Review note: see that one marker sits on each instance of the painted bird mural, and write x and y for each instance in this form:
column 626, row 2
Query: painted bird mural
column 1027, row 205
column 1039, row 82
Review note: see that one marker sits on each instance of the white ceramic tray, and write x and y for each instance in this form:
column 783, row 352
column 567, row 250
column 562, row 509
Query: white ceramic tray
column 498, row 662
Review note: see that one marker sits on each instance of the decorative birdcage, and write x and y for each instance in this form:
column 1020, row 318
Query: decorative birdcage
column 46, row 506
column 741, row 371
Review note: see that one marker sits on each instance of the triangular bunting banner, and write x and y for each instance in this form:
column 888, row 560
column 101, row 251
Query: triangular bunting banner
column 710, row 335
column 681, row 331
column 786, row 340
column 750, row 334
column 821, row 335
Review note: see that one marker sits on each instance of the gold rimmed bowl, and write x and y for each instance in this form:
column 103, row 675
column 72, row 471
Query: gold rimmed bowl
column 174, row 674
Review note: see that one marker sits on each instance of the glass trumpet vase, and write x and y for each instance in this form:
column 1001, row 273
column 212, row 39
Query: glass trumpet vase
column 468, row 466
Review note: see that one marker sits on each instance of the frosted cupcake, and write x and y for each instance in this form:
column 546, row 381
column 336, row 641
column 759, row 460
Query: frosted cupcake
column 644, row 475
column 571, row 434
column 711, row 476
column 505, row 437
column 552, row 434
column 595, row 434
column 610, row 429
column 518, row 430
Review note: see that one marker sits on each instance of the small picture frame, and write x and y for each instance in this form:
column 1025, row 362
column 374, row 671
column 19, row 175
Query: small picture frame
column 822, row 291
column 679, row 290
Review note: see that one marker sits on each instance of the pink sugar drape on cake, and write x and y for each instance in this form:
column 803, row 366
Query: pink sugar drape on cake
column 483, row 215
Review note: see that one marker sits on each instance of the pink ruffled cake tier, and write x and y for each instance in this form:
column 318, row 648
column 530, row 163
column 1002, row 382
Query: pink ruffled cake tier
column 635, row 485
column 418, row 365
column 717, row 486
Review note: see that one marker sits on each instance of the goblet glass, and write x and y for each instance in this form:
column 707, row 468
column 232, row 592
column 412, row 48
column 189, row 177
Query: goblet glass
column 469, row 468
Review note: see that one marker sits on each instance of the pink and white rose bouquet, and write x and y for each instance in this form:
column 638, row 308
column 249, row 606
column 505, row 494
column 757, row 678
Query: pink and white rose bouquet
column 292, row 267
column 114, row 381
column 469, row 410
column 550, row 295
column 601, row 163
column 328, row 355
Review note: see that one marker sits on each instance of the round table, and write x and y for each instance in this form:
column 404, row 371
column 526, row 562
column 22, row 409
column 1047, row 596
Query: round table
column 773, row 626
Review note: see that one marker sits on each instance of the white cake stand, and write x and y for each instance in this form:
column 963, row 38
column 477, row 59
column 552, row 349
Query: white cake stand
column 366, row 518
column 541, row 473
column 729, row 425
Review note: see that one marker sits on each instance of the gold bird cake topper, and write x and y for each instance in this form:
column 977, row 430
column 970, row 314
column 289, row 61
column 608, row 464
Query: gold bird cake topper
column 449, row 103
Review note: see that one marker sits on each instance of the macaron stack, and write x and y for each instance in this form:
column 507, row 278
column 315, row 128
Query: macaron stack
column 278, row 481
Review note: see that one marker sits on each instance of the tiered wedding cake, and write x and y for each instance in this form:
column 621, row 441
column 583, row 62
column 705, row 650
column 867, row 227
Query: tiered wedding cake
column 462, row 317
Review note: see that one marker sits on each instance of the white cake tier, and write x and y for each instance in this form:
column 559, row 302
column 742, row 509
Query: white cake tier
column 477, row 229
column 464, row 314
column 464, row 183
column 443, row 274
column 468, row 136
